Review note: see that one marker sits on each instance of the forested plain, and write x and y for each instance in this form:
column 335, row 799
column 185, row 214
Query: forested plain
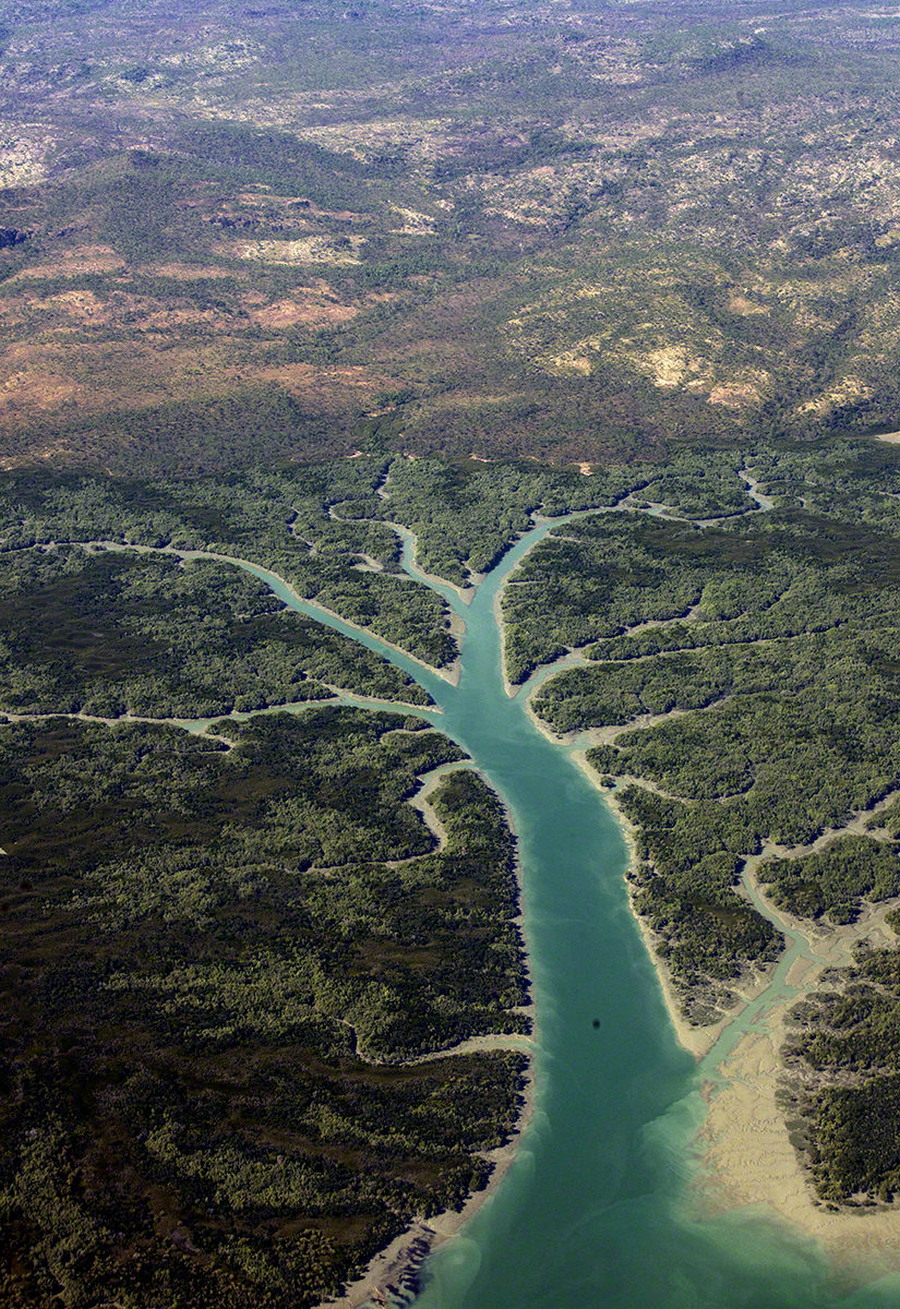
column 111, row 634
column 221, row 955
column 229, row 938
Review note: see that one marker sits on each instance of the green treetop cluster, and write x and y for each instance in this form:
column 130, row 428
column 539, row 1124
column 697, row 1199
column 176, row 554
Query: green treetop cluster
column 221, row 953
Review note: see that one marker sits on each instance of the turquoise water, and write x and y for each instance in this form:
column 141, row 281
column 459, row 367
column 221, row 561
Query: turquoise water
column 591, row 1214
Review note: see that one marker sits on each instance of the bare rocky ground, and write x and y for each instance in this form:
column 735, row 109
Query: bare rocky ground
column 560, row 232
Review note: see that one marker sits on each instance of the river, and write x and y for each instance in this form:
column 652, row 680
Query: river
column 595, row 1211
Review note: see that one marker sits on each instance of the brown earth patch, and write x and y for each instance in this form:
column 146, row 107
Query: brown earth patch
column 12, row 311
column 312, row 311
column 82, row 308
column 163, row 320
column 73, row 263
column 844, row 392
column 189, row 272
column 739, row 304
column 39, row 379
column 734, row 397
column 76, row 308
column 35, row 390
column 303, row 250
column 323, row 387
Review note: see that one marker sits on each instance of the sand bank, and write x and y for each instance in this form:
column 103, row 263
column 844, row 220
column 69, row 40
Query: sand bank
column 749, row 1162
column 749, row 1159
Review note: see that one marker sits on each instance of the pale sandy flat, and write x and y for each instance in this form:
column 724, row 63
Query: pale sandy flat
column 750, row 1163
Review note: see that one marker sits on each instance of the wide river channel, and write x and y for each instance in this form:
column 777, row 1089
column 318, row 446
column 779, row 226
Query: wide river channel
column 595, row 1211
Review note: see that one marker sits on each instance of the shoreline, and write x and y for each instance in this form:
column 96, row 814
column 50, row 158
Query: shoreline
column 202, row 725
column 698, row 1041
column 748, row 1163
column 449, row 673
column 746, row 1160
column 398, row 1264
column 745, row 1123
column 413, row 569
column 402, row 1259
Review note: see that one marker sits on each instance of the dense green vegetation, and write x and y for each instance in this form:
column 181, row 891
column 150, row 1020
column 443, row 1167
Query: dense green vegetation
column 111, row 634
column 751, row 663
column 280, row 519
column 771, row 635
column 749, row 659
column 611, row 572
column 464, row 514
column 325, row 527
column 682, row 886
column 844, row 1065
column 835, row 879
column 750, row 666
column 219, row 953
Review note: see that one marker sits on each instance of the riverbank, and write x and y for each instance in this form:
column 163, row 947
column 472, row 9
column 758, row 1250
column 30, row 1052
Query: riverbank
column 412, row 566
column 398, row 1264
column 449, row 673
column 748, row 1163
column 696, row 1040
column 749, row 1159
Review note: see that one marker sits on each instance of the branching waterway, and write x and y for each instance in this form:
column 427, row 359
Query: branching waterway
column 596, row 1211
